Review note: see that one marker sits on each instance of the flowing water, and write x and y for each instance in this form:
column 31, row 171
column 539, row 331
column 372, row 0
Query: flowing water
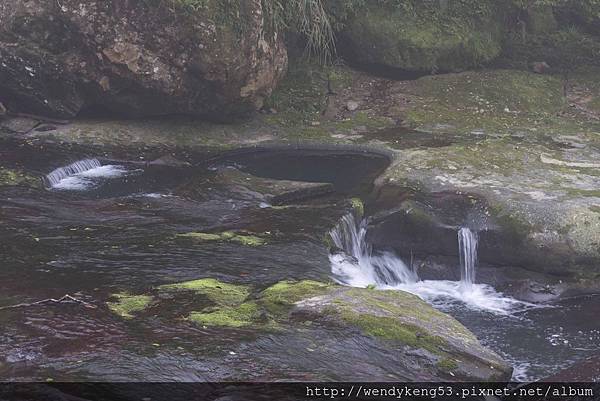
column 536, row 339
column 357, row 265
column 97, row 227
column 467, row 250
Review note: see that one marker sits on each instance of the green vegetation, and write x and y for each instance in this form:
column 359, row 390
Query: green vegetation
column 126, row 304
column 281, row 297
column 389, row 328
column 494, row 100
column 447, row 365
column 220, row 293
column 236, row 316
column 358, row 206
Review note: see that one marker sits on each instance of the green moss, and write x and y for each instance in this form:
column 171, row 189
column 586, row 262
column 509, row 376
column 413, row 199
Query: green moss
column 422, row 39
column 447, row 365
column 391, row 329
column 241, row 237
column 401, row 306
column 220, row 293
column 247, row 240
column 491, row 100
column 282, row 296
column 16, row 177
column 358, row 206
column 564, row 50
column 201, row 236
column 242, row 315
column 126, row 304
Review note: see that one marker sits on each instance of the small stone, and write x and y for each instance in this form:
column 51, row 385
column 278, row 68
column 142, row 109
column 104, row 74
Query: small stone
column 540, row 67
column 352, row 105
column 2, row 110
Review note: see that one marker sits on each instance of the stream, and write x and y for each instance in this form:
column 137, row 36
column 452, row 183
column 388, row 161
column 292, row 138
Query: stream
column 104, row 223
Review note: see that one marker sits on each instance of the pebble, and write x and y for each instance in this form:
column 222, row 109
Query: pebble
column 352, row 105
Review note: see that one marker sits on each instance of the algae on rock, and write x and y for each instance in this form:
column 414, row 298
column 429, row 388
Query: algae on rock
column 126, row 305
column 222, row 294
column 242, row 238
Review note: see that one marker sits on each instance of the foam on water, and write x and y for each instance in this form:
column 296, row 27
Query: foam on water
column 82, row 175
column 356, row 265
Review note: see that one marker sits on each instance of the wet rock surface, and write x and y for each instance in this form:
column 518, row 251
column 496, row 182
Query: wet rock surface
column 136, row 60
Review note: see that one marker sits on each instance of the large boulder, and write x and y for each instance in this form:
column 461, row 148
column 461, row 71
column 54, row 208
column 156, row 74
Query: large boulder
column 137, row 58
column 389, row 330
column 428, row 37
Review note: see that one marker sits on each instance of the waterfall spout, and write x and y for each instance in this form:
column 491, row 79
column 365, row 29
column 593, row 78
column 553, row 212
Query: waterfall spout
column 467, row 249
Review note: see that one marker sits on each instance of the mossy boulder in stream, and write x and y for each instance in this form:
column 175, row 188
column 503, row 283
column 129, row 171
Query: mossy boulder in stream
column 424, row 340
column 243, row 315
column 432, row 340
column 218, row 292
column 419, row 334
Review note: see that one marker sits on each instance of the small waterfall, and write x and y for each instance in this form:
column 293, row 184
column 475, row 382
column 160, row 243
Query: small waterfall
column 56, row 176
column 357, row 265
column 467, row 249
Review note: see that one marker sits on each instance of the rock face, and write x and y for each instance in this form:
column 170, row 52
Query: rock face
column 419, row 40
column 136, row 58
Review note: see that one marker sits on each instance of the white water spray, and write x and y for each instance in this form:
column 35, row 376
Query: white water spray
column 357, row 265
column 82, row 174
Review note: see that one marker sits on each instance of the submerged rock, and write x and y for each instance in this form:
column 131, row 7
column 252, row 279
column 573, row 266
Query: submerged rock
column 126, row 305
column 131, row 58
column 239, row 237
column 271, row 191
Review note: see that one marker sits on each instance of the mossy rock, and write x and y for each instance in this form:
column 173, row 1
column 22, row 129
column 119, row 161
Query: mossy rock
column 242, row 315
column 564, row 49
column 281, row 297
column 242, row 238
column 492, row 100
column 222, row 294
column 392, row 318
column 126, row 305
column 421, row 39
column 403, row 319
